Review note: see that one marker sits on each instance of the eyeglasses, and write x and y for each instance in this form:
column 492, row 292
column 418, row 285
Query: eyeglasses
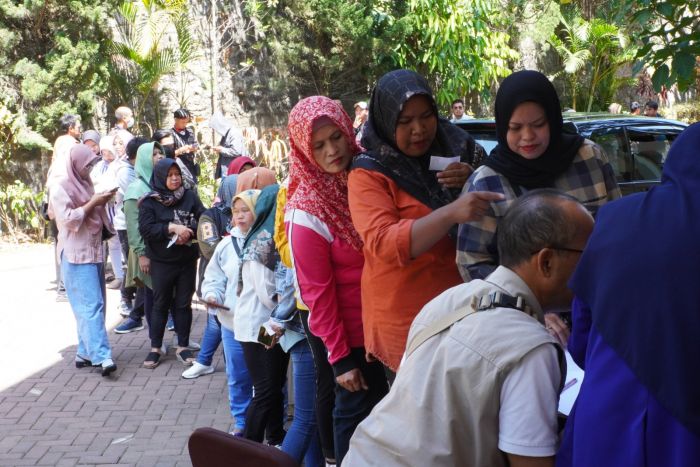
column 559, row 248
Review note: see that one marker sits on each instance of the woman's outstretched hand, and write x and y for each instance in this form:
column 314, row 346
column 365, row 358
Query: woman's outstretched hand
column 472, row 206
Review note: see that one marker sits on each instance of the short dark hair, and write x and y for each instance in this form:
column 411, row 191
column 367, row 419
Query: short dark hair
column 457, row 101
column 534, row 221
column 132, row 146
column 68, row 121
column 181, row 113
column 653, row 105
column 160, row 134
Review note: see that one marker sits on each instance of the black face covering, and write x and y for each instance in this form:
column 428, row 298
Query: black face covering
column 531, row 86
column 169, row 150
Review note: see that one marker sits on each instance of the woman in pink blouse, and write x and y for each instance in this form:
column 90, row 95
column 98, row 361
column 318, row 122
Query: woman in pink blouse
column 327, row 256
column 81, row 220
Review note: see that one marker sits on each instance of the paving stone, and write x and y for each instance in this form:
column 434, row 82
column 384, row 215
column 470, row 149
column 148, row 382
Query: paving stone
column 63, row 416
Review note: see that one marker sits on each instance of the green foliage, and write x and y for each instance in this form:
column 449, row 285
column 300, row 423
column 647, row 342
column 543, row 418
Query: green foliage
column 315, row 46
column 15, row 135
column 206, row 183
column 339, row 48
column 19, row 211
column 591, row 52
column 539, row 20
column 459, row 45
column 670, row 35
column 141, row 55
column 688, row 112
column 52, row 58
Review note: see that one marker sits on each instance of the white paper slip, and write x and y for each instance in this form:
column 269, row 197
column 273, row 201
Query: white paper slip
column 440, row 163
column 172, row 241
column 572, row 385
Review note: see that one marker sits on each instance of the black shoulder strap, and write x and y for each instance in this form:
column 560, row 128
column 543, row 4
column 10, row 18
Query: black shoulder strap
column 236, row 247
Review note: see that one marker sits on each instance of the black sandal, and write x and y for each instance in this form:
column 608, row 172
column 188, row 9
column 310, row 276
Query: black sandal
column 152, row 360
column 186, row 356
column 81, row 362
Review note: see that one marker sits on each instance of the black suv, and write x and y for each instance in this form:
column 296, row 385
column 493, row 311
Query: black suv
column 636, row 146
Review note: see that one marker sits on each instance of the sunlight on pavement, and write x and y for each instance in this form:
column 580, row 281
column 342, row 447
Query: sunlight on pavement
column 35, row 330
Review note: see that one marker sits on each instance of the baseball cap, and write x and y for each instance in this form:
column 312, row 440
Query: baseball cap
column 361, row 104
column 634, row 105
column 182, row 113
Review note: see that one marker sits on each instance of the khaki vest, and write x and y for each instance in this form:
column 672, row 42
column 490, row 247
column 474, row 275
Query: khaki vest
column 444, row 407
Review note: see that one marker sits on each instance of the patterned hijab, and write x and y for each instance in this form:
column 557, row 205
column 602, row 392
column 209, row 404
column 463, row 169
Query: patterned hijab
column 311, row 189
column 258, row 244
column 226, row 192
column 79, row 187
column 532, row 86
column 161, row 192
column 411, row 174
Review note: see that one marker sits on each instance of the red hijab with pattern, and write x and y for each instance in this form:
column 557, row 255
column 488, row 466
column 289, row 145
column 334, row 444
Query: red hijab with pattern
column 312, row 189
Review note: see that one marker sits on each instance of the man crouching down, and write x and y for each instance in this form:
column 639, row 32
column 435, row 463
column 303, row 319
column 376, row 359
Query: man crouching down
column 480, row 380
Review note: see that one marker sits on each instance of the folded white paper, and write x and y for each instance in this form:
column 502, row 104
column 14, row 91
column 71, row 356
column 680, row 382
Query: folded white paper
column 440, row 163
column 572, row 385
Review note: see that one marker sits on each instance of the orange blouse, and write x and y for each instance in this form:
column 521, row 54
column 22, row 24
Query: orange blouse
column 394, row 286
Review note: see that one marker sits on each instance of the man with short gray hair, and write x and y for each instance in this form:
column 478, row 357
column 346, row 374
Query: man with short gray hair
column 480, row 380
column 125, row 119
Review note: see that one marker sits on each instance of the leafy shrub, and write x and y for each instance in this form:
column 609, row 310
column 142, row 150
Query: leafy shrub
column 688, row 112
column 19, row 212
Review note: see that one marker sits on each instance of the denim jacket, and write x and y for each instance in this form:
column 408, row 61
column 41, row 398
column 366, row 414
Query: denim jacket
column 286, row 313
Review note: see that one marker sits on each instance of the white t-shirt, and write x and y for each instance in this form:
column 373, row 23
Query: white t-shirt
column 529, row 401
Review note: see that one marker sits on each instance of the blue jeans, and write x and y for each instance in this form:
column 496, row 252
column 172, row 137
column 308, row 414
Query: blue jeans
column 240, row 386
column 302, row 441
column 210, row 340
column 353, row 407
column 85, row 287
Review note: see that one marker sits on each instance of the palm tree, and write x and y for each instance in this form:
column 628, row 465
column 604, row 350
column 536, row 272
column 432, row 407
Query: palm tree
column 140, row 56
column 592, row 52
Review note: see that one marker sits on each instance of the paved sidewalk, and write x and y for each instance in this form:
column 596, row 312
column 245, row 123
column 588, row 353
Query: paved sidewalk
column 54, row 414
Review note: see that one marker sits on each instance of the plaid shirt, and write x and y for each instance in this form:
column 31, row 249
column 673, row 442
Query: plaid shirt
column 589, row 178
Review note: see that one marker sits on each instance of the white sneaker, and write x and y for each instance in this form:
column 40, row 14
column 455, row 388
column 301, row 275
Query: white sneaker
column 124, row 309
column 194, row 346
column 197, row 370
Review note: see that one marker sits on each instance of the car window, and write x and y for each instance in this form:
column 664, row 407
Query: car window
column 649, row 147
column 613, row 143
column 486, row 139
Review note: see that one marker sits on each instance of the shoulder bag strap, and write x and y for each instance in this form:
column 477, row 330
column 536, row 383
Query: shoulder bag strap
column 436, row 327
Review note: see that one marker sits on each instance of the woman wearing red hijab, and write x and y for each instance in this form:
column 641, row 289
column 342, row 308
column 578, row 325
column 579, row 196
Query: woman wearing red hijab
column 240, row 164
column 327, row 256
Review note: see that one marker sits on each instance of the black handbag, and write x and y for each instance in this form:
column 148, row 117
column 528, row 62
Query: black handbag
column 106, row 233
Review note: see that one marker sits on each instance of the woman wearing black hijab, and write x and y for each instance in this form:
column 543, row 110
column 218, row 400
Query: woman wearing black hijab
column 404, row 211
column 168, row 218
column 533, row 151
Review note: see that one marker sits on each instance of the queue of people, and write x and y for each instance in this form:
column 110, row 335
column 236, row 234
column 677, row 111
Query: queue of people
column 416, row 283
